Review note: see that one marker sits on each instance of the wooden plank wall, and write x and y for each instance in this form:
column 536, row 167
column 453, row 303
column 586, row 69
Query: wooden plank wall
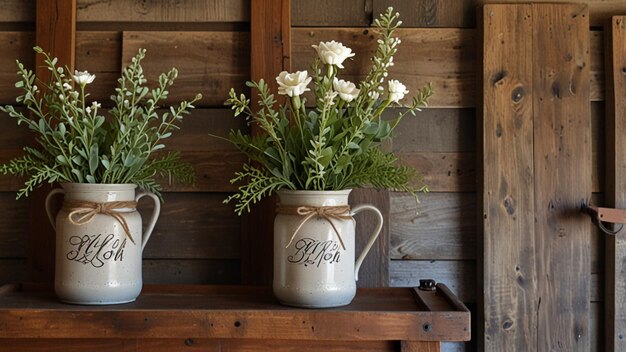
column 197, row 238
column 440, row 45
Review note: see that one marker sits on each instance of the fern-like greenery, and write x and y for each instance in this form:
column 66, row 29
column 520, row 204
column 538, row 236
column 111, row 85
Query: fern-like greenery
column 76, row 143
column 335, row 145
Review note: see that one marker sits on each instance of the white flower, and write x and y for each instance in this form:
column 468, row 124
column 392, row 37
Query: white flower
column 397, row 90
column 373, row 95
column 329, row 99
column 96, row 105
column 293, row 84
column 333, row 53
column 88, row 110
column 346, row 89
column 67, row 86
column 83, row 77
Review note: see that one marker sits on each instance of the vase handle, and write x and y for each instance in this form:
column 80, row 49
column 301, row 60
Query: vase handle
column 370, row 243
column 153, row 219
column 49, row 197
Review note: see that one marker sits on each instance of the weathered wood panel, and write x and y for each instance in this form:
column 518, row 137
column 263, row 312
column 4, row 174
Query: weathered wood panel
column 17, row 11
column 615, row 195
column 270, row 42
column 14, row 45
column 13, row 270
column 331, row 13
column 55, row 33
column 444, row 172
column 208, row 62
column 445, row 57
column 253, row 345
column 435, row 130
column 507, row 273
column 71, row 345
column 374, row 271
column 14, row 224
column 193, row 226
column 562, row 159
column 100, row 53
column 458, row 275
column 163, row 11
column 191, row 271
column 442, row 227
column 445, row 228
column 459, row 13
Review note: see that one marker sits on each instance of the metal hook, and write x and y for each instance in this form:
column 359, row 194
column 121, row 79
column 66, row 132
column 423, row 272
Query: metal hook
column 601, row 215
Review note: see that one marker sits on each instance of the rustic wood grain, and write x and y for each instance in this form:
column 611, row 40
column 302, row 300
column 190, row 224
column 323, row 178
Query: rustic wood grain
column 505, row 125
column 56, row 34
column 374, row 271
column 13, row 270
column 163, row 11
column 420, row 346
column 209, row 63
column 254, row 345
column 443, row 172
column 562, row 155
column 14, row 223
column 435, row 130
column 270, row 42
column 459, row 13
column 70, row 345
column 193, row 226
column 191, row 271
column 17, row 11
column 331, row 13
column 230, row 313
column 442, row 227
column 431, row 13
column 100, row 53
column 443, row 56
column 458, row 275
column 19, row 45
column 615, row 195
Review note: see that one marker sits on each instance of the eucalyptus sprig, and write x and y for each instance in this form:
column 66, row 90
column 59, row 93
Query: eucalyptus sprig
column 76, row 143
column 335, row 145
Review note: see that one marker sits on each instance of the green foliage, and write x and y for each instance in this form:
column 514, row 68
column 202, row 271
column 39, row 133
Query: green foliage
column 78, row 144
column 334, row 146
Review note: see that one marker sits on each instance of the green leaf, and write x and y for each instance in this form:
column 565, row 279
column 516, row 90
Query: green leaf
column 93, row 159
column 62, row 160
column 352, row 145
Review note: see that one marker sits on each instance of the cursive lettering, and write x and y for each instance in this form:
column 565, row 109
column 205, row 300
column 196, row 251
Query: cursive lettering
column 96, row 249
column 313, row 252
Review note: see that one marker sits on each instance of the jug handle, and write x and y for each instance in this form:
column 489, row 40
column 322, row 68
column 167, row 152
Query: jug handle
column 153, row 218
column 370, row 242
column 49, row 197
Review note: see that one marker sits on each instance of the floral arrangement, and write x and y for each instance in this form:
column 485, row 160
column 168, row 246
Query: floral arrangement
column 335, row 145
column 76, row 143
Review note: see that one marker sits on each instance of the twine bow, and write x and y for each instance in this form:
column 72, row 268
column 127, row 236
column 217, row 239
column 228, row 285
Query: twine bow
column 88, row 210
column 328, row 213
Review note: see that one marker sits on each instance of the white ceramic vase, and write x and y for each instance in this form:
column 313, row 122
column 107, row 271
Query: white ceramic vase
column 96, row 261
column 313, row 269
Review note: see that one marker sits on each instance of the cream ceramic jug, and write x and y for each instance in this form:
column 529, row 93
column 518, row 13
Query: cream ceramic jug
column 314, row 248
column 99, row 248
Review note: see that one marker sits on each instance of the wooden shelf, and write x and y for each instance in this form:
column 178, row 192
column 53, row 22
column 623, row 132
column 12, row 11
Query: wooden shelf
column 236, row 312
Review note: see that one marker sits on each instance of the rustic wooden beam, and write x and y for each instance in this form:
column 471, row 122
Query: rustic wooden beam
column 536, row 135
column 505, row 129
column 562, row 167
column 270, row 26
column 615, row 186
column 55, row 33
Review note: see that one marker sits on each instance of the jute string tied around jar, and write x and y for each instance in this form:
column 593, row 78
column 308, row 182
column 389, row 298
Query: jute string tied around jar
column 88, row 210
column 328, row 213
